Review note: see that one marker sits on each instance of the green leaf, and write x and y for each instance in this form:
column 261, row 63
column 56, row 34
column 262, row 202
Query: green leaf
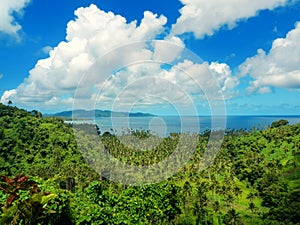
column 47, row 198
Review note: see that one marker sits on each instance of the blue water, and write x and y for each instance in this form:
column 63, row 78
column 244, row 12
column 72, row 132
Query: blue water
column 165, row 125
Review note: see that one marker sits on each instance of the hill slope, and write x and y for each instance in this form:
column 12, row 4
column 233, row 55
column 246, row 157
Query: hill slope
column 255, row 178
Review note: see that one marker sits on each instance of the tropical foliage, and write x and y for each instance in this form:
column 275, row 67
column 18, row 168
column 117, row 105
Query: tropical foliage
column 255, row 178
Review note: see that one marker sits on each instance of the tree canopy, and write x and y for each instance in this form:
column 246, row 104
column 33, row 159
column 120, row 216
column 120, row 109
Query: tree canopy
column 46, row 178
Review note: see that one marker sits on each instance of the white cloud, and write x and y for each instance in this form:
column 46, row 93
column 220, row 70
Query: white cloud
column 91, row 35
column 223, row 75
column 184, row 84
column 215, row 80
column 280, row 67
column 8, row 24
column 97, row 41
column 145, row 84
column 1, row 75
column 8, row 95
column 105, row 31
column 162, row 49
column 47, row 49
column 204, row 17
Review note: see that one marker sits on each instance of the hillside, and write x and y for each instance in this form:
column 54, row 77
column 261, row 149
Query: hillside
column 255, row 178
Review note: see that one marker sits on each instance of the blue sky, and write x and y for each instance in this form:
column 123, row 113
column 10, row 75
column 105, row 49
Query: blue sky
column 249, row 49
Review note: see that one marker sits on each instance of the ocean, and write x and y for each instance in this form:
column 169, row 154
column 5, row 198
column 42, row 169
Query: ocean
column 164, row 125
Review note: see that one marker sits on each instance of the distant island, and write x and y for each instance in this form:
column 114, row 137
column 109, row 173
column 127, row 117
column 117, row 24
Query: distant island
column 81, row 113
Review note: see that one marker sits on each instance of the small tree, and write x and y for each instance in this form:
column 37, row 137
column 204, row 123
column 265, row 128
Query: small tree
column 232, row 218
column 279, row 123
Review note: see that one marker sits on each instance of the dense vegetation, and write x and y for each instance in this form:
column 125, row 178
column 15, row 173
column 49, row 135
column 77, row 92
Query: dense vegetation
column 45, row 179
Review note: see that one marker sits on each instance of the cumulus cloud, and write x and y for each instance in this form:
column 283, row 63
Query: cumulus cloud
column 91, row 35
column 8, row 95
column 162, row 51
column 215, row 80
column 225, row 79
column 47, row 49
column 97, row 42
column 184, row 84
column 8, row 8
column 280, row 67
column 203, row 17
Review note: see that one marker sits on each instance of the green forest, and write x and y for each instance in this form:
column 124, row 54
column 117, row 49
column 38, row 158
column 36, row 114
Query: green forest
column 45, row 178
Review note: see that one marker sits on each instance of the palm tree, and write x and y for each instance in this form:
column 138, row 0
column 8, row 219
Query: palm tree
column 232, row 218
column 252, row 208
column 251, row 197
column 216, row 208
column 200, row 204
column 187, row 192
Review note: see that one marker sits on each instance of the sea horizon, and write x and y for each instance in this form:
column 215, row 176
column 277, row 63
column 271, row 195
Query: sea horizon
column 164, row 125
